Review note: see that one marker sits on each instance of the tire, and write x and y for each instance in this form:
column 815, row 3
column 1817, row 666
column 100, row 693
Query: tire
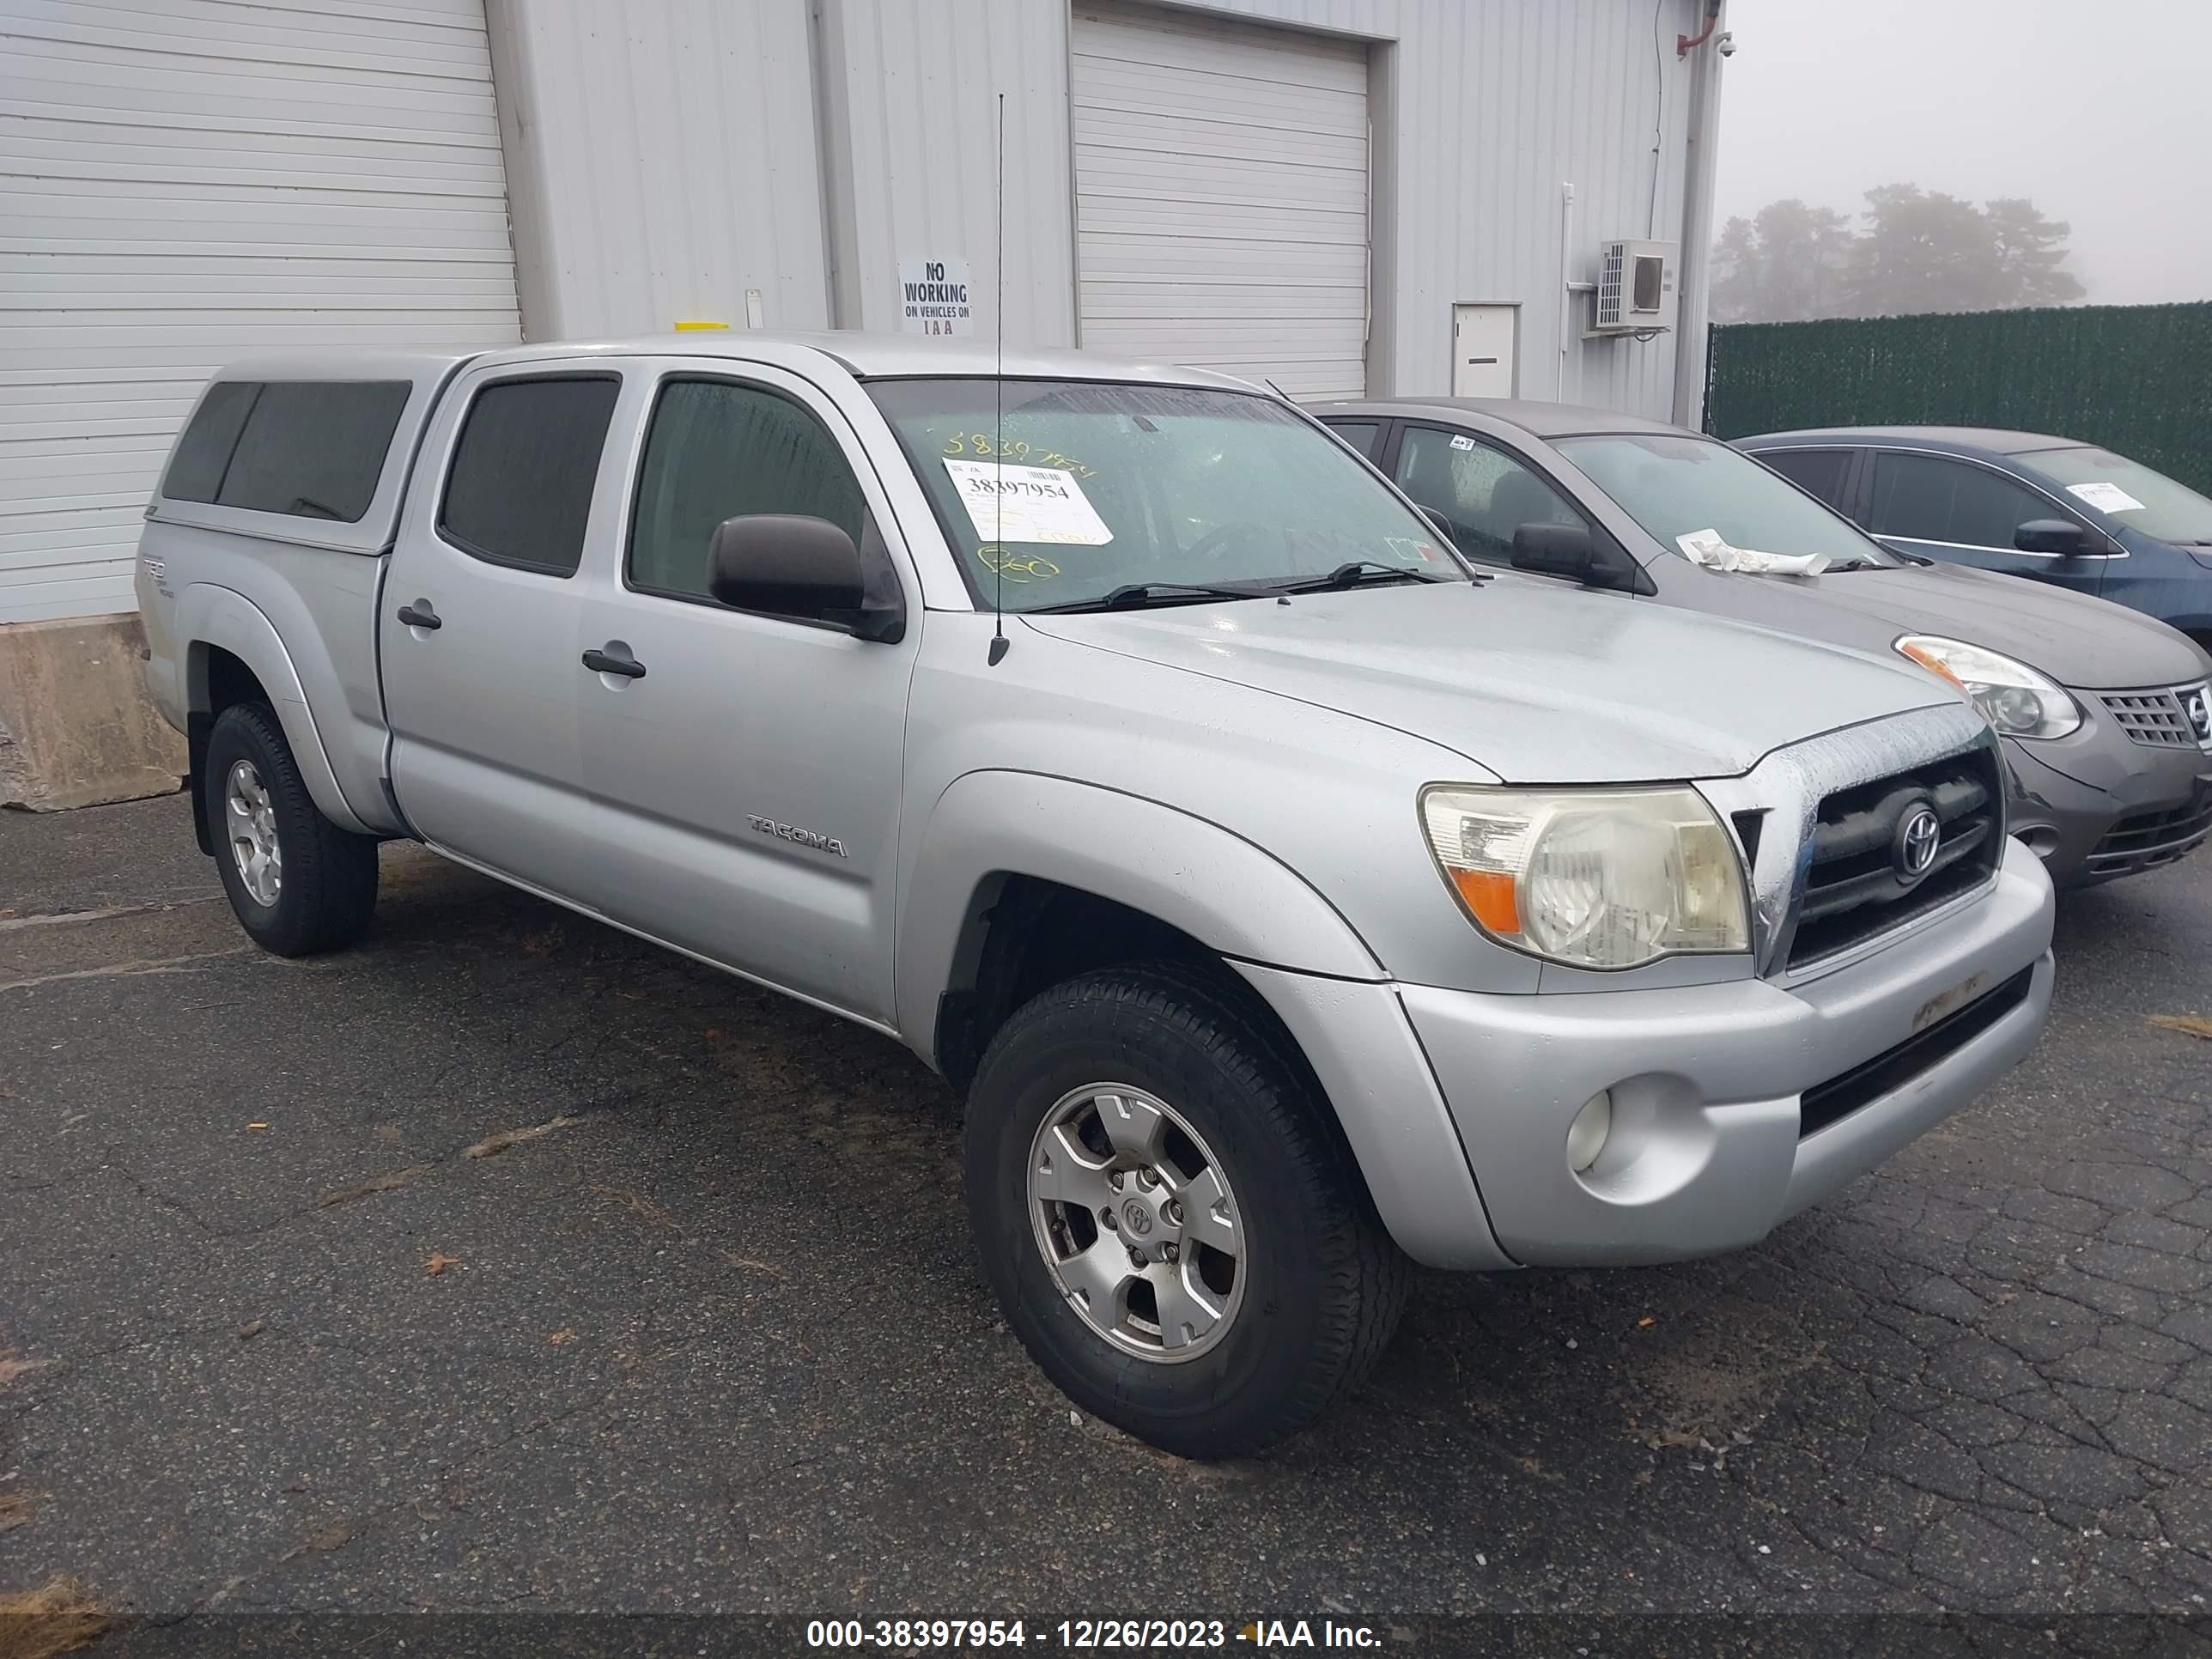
column 1315, row 1287
column 325, row 885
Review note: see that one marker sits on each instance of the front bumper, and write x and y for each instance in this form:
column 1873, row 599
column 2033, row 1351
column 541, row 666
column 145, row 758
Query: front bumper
column 2098, row 805
column 1706, row 1152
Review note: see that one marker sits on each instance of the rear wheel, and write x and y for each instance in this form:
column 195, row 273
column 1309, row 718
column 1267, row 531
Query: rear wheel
column 1176, row 1233
column 299, row 883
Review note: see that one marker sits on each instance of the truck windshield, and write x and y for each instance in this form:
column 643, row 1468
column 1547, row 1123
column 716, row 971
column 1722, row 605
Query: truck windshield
column 1088, row 490
column 2134, row 494
column 1677, row 486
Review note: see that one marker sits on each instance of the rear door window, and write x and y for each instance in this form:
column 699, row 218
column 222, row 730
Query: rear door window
column 306, row 449
column 1822, row 471
column 1360, row 434
column 1929, row 498
column 519, row 490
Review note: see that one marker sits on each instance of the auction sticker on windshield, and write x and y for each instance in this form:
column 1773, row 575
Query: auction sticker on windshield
column 1027, row 504
column 2106, row 497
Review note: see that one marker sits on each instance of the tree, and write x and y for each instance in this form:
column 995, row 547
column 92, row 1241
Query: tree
column 1737, row 296
column 1789, row 263
column 1920, row 251
column 1924, row 250
column 2030, row 250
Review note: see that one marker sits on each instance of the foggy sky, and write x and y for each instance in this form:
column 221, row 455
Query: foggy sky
column 2099, row 111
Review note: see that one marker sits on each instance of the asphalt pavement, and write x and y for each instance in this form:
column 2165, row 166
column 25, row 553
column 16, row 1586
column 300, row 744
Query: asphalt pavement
column 504, row 1263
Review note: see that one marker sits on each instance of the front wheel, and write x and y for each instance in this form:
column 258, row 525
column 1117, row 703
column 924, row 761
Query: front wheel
column 1175, row 1230
column 298, row 883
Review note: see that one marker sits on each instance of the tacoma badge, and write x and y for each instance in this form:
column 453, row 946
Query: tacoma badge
column 804, row 837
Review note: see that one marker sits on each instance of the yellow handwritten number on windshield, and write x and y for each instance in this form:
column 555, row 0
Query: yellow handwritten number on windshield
column 1018, row 451
column 963, row 443
column 1015, row 567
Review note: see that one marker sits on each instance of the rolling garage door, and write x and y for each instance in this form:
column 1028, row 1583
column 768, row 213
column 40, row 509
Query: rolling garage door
column 184, row 181
column 1221, row 196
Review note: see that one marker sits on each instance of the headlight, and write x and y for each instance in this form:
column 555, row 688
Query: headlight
column 1591, row 879
column 2012, row 696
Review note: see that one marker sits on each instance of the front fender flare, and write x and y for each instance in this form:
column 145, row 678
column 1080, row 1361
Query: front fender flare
column 1287, row 941
column 208, row 613
column 1230, row 894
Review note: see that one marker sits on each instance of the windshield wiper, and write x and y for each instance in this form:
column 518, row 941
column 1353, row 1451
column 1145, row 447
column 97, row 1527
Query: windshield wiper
column 1135, row 596
column 1855, row 564
column 1353, row 572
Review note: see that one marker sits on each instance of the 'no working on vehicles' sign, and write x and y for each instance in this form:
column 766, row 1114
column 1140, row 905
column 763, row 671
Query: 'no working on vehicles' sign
column 933, row 297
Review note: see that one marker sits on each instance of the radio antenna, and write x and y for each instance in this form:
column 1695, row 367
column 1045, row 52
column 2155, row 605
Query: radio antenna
column 999, row 392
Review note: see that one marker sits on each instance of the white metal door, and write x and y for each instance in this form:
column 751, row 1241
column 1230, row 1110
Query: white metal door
column 182, row 182
column 1221, row 196
column 1485, row 346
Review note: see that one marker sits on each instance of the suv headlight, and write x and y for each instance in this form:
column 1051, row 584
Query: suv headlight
column 1594, row 878
column 2012, row 696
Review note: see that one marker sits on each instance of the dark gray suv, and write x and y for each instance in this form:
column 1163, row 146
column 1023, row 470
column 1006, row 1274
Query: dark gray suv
column 2106, row 714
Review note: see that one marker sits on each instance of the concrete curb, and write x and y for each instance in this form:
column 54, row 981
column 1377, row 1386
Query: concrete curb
column 76, row 728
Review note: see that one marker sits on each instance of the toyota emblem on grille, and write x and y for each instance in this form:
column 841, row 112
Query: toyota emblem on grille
column 1919, row 833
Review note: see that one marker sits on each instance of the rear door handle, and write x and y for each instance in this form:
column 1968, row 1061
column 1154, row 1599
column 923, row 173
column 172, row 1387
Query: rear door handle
column 420, row 615
column 600, row 663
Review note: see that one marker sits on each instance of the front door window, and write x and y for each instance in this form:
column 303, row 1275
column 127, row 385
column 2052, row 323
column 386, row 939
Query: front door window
column 1482, row 495
column 1968, row 513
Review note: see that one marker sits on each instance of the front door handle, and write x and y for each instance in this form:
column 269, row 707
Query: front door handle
column 420, row 615
column 601, row 663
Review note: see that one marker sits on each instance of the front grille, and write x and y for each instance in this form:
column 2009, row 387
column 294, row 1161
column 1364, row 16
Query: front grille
column 2145, row 840
column 2159, row 719
column 1892, row 1069
column 1853, row 889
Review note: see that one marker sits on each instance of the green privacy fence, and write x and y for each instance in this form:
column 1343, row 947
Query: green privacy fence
column 2137, row 379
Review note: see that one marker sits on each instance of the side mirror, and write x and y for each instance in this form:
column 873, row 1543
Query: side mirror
column 1570, row 550
column 784, row 565
column 2062, row 536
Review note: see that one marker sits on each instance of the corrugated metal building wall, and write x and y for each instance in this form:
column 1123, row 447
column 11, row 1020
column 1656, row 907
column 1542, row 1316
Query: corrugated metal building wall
column 190, row 180
column 885, row 111
column 184, row 181
column 663, row 159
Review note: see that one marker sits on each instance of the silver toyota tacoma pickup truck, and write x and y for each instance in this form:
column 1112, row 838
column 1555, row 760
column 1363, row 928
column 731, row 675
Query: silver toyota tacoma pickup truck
column 1292, row 901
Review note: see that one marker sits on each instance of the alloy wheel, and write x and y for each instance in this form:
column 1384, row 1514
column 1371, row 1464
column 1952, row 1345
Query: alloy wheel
column 1134, row 1213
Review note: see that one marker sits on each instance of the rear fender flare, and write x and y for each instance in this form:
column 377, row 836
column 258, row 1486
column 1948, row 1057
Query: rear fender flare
column 209, row 614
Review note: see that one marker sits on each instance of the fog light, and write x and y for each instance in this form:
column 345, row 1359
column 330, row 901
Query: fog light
column 1586, row 1134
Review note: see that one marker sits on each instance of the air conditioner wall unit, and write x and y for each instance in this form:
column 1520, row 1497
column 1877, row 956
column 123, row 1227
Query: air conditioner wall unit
column 1635, row 286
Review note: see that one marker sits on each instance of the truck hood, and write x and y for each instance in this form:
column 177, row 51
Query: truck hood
column 2076, row 640
column 1534, row 683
